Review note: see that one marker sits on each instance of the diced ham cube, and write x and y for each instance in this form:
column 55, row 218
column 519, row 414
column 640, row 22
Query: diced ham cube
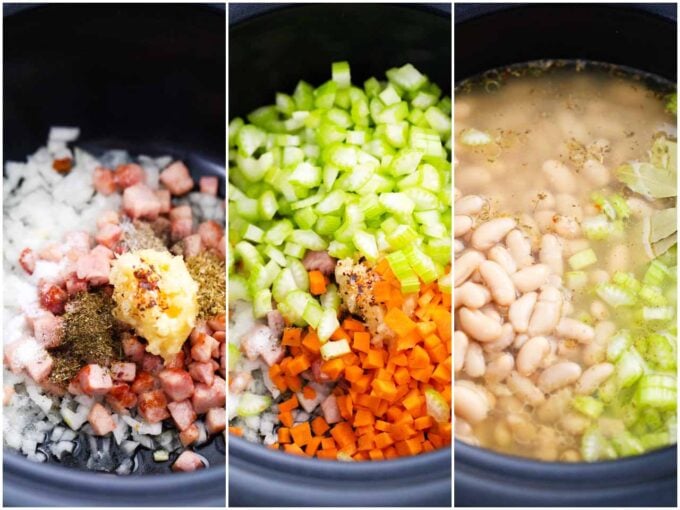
column 319, row 261
column 153, row 406
column 75, row 285
column 144, row 382
column 177, row 383
column 103, row 252
column 181, row 228
column 20, row 352
column 176, row 178
column 208, row 184
column 53, row 298
column 94, row 267
column 331, row 411
column 211, row 232
column 94, row 380
column 201, row 328
column 108, row 218
column 100, row 420
column 133, row 348
column 189, row 435
column 9, row 392
column 216, row 420
column 165, row 199
column 218, row 323
column 109, row 235
column 175, row 360
column 27, row 260
column 202, row 372
column 123, row 371
column 52, row 388
column 47, row 329
column 319, row 376
column 52, row 252
column 140, row 201
column 259, row 341
column 120, row 397
column 181, row 212
column 129, row 175
column 223, row 358
column 39, row 369
column 276, row 323
column 192, row 246
column 182, row 413
column 203, row 348
column 104, row 181
column 240, row 382
column 74, row 387
column 188, row 461
column 205, row 396
column 220, row 336
column 152, row 363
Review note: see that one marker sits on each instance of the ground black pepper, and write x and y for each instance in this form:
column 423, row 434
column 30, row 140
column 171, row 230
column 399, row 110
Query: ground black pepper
column 209, row 271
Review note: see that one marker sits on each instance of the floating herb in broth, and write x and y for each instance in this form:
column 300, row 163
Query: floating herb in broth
column 565, row 244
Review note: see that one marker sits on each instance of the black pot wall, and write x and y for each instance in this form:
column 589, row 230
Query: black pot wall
column 147, row 78
column 638, row 36
column 270, row 49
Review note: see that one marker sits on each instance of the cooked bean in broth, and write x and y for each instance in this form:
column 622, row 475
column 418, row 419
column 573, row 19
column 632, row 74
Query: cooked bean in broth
column 565, row 263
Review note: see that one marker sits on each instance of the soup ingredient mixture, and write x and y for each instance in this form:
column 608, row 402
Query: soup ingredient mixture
column 565, row 339
column 339, row 269
column 107, row 361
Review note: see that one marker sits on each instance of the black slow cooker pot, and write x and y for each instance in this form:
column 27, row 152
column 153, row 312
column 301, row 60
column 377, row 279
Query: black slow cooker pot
column 272, row 47
column 638, row 36
column 150, row 79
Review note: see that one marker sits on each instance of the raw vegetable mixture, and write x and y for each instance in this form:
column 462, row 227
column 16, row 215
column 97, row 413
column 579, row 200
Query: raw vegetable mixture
column 339, row 262
column 566, row 268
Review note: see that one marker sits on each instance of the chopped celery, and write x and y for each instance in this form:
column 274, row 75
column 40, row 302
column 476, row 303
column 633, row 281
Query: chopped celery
column 582, row 259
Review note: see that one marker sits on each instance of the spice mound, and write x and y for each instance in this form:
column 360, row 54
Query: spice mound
column 155, row 294
column 209, row 271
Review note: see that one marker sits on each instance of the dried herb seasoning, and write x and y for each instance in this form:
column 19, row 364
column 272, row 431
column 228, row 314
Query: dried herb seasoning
column 209, row 271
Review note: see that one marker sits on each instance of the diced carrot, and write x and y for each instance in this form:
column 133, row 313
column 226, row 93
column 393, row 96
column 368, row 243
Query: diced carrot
column 319, row 426
column 399, row 322
column 374, row 359
column 283, row 435
column 343, row 434
column 353, row 373
column 424, row 422
column 301, row 433
column 293, row 382
column 402, row 376
column 363, row 417
column 317, row 283
column 340, row 334
column 309, row 393
column 376, row 455
column 418, row 358
column 384, row 389
column 333, row 368
column 298, row 365
column 237, row 431
column 290, row 404
column 330, row 454
column 362, row 341
column 328, row 443
column 293, row 448
column 286, row 418
column 313, row 446
column 311, row 342
column 354, row 325
column 291, row 337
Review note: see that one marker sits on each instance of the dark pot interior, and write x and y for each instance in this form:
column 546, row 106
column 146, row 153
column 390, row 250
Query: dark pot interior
column 638, row 36
column 270, row 49
column 150, row 79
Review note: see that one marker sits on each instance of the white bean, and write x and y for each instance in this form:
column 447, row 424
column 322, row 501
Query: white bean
column 470, row 403
column 530, row 278
column 531, row 354
column 519, row 247
column 499, row 368
column 558, row 376
column 520, row 311
column 544, row 200
column 471, row 295
column 476, row 324
column 465, row 265
column 545, row 219
column 559, row 176
column 524, row 389
column 469, row 205
column 546, row 312
column 460, row 345
column 506, row 338
column 491, row 232
column 475, row 365
column 461, row 225
column 595, row 172
column 501, row 256
column 566, row 226
column 568, row 205
column 575, row 329
column 551, row 253
column 593, row 377
column 498, row 282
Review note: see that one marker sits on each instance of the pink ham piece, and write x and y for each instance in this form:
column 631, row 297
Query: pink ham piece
column 39, row 369
column 153, row 406
column 109, row 235
column 165, row 199
column 189, row 435
column 202, row 349
column 318, row 375
column 94, row 380
column 123, row 371
column 206, row 397
column 108, row 218
column 133, row 348
column 177, row 179
column 259, row 341
column 319, row 261
column 211, row 232
column 144, row 382
column 276, row 323
column 100, row 420
column 331, row 412
column 175, row 360
column 140, row 201
column 27, row 260
column 218, row 323
column 182, row 413
column 188, row 461
column 152, row 363
column 74, row 285
column 52, row 298
column 181, row 222
column 208, row 184
column 202, row 372
column 104, row 181
column 192, row 246
column 239, row 382
column 120, row 397
column 216, row 420
column 128, row 175
column 95, row 266
column 47, row 329
column 176, row 383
